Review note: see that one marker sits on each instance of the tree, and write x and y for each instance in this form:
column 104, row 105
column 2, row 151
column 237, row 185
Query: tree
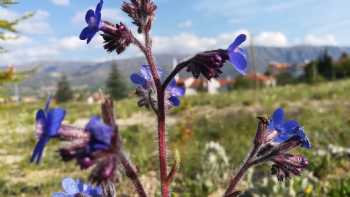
column 325, row 66
column 64, row 92
column 115, row 83
column 311, row 74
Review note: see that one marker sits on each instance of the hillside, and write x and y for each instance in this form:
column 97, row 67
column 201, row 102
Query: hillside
column 93, row 75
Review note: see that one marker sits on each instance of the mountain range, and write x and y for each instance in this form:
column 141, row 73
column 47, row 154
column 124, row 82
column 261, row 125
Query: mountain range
column 93, row 75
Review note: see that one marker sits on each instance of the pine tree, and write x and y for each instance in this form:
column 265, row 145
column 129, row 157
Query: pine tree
column 115, row 84
column 64, row 92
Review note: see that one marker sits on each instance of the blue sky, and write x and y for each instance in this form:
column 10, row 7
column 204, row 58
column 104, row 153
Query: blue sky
column 181, row 26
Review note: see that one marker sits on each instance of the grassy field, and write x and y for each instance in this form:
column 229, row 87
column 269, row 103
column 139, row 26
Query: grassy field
column 226, row 122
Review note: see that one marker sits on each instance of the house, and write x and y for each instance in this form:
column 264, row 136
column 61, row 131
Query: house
column 265, row 80
column 212, row 86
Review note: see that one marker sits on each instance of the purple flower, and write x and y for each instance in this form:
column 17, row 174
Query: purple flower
column 280, row 130
column 174, row 92
column 286, row 165
column 77, row 188
column 142, row 13
column 237, row 55
column 84, row 151
column 145, row 82
column 100, row 134
column 209, row 63
column 48, row 123
column 93, row 19
column 145, row 79
column 116, row 37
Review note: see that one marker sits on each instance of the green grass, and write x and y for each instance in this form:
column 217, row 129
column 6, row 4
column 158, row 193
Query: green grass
column 227, row 118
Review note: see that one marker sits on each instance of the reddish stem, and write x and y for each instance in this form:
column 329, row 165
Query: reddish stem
column 235, row 180
column 161, row 125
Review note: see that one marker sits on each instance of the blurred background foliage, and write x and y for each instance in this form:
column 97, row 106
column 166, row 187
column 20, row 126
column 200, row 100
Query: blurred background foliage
column 212, row 134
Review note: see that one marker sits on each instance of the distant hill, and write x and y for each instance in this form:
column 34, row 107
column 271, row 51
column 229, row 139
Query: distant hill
column 92, row 75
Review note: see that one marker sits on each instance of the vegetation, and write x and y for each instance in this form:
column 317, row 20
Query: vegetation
column 207, row 120
column 64, row 92
column 115, row 84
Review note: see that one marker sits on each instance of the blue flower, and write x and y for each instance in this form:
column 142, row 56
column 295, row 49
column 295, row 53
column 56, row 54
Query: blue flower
column 305, row 142
column 145, row 81
column 48, row 123
column 73, row 188
column 175, row 92
column 286, row 129
column 93, row 19
column 100, row 134
column 237, row 55
column 210, row 63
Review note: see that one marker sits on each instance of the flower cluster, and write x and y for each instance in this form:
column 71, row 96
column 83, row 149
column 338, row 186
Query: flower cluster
column 276, row 138
column 117, row 40
column 146, row 88
column 98, row 151
column 89, row 146
column 142, row 12
column 209, row 63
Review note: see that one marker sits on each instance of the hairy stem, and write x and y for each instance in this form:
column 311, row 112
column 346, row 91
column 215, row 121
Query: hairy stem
column 235, row 179
column 130, row 171
column 161, row 126
column 162, row 145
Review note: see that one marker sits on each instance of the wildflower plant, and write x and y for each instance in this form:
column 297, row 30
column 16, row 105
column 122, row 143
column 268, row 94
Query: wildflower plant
column 99, row 145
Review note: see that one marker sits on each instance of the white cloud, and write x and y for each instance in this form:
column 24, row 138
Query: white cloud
column 38, row 24
column 190, row 43
column 273, row 39
column 13, row 40
column 29, row 54
column 61, row 2
column 320, row 40
column 70, row 43
column 185, row 24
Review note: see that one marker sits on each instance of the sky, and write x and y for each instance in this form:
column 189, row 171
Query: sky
column 181, row 26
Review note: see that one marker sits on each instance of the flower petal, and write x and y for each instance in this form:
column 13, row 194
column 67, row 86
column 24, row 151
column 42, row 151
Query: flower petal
column 85, row 33
column 70, row 186
column 90, row 13
column 40, row 116
column 290, row 126
column 178, row 91
column 172, row 84
column 138, row 80
column 54, row 120
column 98, row 10
column 146, row 72
column 38, row 150
column 81, row 186
column 100, row 131
column 239, row 61
column 304, row 139
column 238, row 41
column 174, row 101
column 282, row 137
column 91, row 35
column 277, row 118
